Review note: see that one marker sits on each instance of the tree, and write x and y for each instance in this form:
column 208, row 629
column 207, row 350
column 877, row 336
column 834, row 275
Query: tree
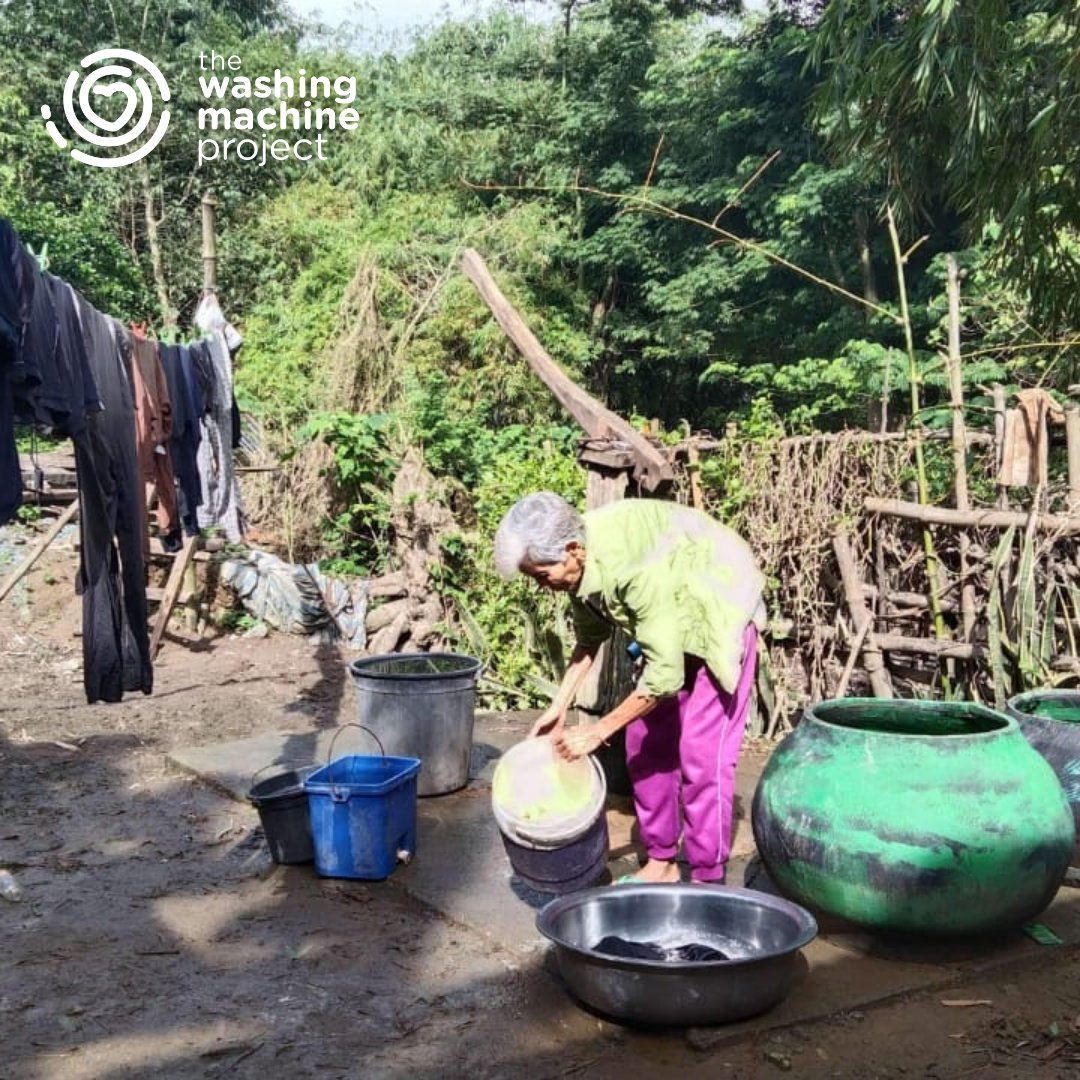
column 972, row 105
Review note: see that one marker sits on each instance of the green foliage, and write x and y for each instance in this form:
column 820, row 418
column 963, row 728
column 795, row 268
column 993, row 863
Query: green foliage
column 517, row 629
column 1022, row 632
column 968, row 105
column 235, row 621
column 363, row 471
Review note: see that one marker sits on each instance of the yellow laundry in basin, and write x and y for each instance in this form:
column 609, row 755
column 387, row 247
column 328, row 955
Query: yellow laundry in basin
column 532, row 784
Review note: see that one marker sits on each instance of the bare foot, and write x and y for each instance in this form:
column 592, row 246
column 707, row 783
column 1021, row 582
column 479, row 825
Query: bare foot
column 658, row 872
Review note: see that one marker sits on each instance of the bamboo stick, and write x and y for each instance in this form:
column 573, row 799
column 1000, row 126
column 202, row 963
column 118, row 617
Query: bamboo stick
column 209, row 243
column 959, row 445
column 998, row 392
column 1072, row 441
column 974, row 438
column 920, row 461
column 982, row 519
column 873, row 660
column 694, row 462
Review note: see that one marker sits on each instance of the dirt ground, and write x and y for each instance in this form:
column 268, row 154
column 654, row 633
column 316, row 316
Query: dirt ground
column 152, row 940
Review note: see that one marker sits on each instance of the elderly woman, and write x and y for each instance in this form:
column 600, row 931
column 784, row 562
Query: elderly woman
column 688, row 592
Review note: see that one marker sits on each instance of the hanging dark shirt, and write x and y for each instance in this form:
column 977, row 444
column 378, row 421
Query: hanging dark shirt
column 72, row 359
column 112, row 522
column 16, row 305
column 184, row 442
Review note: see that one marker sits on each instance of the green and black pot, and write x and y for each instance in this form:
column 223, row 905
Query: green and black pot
column 913, row 817
column 1050, row 721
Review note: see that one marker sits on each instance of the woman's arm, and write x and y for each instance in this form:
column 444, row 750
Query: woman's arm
column 552, row 719
column 586, row 738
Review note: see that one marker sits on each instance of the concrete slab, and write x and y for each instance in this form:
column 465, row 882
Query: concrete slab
column 462, row 871
column 230, row 766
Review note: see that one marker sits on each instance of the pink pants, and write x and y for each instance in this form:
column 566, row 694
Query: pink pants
column 691, row 741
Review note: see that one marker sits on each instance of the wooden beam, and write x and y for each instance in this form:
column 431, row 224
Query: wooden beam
column 172, row 591
column 651, row 467
column 943, row 650
column 982, row 519
column 38, row 549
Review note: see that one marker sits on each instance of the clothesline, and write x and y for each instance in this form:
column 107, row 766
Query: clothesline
column 145, row 419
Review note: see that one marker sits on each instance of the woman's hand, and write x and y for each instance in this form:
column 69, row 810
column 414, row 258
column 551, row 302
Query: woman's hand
column 550, row 722
column 579, row 741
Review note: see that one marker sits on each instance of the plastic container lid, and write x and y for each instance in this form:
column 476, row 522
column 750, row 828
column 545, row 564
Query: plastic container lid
column 537, row 795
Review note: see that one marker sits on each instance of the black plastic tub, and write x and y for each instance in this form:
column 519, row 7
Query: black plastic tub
column 565, row 869
column 283, row 810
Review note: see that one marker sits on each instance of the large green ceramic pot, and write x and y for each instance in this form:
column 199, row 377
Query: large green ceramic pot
column 913, row 817
column 1050, row 721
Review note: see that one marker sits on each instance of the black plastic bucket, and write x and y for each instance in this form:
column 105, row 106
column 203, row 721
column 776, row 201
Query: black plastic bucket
column 565, row 869
column 283, row 810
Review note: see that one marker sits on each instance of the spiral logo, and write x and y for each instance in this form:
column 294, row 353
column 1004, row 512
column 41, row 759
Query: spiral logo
column 136, row 96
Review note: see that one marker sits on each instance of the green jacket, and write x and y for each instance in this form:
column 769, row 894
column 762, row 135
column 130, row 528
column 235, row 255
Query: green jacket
column 676, row 581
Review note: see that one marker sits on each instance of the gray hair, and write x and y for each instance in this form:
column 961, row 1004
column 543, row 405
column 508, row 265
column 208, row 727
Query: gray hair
column 537, row 528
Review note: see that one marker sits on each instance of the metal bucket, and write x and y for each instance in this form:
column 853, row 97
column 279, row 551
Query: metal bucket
column 421, row 705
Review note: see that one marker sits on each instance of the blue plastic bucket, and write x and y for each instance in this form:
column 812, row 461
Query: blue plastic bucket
column 363, row 815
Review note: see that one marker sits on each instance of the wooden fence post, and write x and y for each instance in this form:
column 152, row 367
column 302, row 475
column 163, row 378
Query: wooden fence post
column 873, row 660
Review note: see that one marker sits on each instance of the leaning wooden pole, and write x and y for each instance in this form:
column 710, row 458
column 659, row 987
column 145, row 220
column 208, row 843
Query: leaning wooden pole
column 855, row 595
column 39, row 549
column 959, row 446
column 651, row 467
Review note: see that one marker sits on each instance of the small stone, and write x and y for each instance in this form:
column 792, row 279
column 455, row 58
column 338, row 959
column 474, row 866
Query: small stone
column 705, row 1039
column 781, row 1061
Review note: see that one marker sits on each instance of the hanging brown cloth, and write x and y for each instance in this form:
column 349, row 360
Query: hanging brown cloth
column 1027, row 439
column 153, row 427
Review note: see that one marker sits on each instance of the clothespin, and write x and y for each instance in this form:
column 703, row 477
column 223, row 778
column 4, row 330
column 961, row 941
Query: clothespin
column 140, row 330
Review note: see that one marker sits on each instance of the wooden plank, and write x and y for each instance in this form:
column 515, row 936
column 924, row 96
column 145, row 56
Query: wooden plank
column 652, row 469
column 983, row 519
column 38, row 549
column 172, row 591
column 606, row 459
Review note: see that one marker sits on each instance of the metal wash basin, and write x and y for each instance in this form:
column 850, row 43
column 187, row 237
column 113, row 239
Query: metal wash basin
column 760, row 936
